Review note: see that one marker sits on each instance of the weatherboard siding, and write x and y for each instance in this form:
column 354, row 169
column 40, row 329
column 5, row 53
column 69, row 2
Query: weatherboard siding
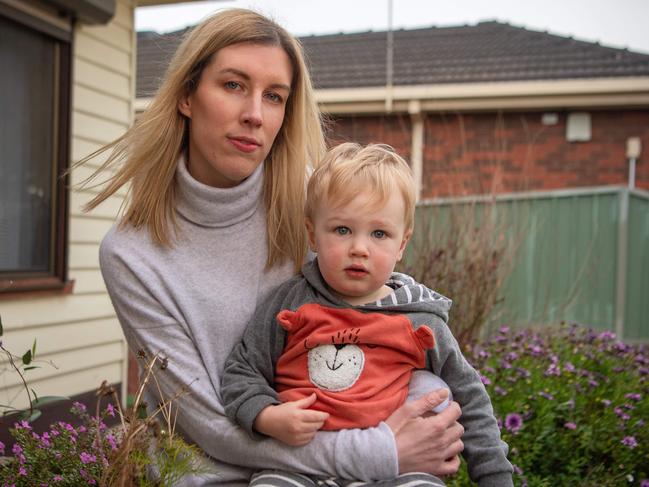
column 79, row 332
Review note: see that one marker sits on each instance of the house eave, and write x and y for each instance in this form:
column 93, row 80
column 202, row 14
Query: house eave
column 554, row 94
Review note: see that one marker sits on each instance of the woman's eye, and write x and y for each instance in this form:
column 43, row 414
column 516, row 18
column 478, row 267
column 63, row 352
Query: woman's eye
column 274, row 97
column 379, row 234
column 342, row 230
column 232, row 85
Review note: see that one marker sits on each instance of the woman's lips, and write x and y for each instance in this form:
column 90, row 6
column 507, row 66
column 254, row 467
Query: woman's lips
column 244, row 144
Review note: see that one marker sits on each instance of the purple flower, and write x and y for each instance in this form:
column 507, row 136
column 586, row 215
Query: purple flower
column 607, row 336
column 57, row 478
column 568, row 367
column 606, row 402
column 22, row 425
column 513, row 422
column 500, row 391
column 621, row 414
column 570, row 426
column 111, row 441
column 644, row 483
column 22, row 471
column 80, row 407
column 87, row 458
column 634, row 396
column 485, row 380
column 16, row 449
column 523, row 372
column 553, row 369
column 546, row 395
column 629, row 441
column 110, row 410
column 2, row 448
column 535, row 349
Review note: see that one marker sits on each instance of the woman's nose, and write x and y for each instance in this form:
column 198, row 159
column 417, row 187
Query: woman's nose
column 252, row 111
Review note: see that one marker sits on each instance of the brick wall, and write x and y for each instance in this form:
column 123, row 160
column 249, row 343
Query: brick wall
column 474, row 153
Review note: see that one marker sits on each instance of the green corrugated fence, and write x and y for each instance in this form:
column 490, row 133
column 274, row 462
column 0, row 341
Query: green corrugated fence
column 568, row 264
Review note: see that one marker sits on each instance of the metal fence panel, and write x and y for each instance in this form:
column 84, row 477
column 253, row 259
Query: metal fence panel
column 565, row 268
column 637, row 282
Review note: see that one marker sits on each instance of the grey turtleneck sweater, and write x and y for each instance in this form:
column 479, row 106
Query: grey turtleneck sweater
column 192, row 302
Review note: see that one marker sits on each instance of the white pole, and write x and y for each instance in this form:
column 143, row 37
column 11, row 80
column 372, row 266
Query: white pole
column 389, row 62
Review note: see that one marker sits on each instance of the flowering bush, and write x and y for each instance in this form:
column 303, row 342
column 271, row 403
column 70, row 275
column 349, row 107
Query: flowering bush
column 572, row 404
column 137, row 452
column 63, row 455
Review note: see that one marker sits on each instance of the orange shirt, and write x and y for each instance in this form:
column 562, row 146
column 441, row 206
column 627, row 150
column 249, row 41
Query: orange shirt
column 358, row 364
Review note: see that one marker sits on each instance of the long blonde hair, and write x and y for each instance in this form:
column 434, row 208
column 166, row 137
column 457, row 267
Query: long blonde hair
column 147, row 154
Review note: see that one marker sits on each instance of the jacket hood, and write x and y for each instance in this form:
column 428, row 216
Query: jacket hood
column 408, row 295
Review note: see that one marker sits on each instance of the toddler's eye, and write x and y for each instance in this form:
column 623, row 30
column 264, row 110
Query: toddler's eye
column 342, row 230
column 379, row 234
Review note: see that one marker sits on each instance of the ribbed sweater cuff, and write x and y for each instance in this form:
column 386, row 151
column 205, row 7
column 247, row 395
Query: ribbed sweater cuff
column 496, row 480
column 250, row 409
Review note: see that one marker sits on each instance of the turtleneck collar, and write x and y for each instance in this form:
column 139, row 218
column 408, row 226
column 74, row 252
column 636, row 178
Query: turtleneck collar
column 217, row 207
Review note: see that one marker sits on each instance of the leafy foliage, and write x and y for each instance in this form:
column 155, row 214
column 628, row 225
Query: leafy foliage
column 573, row 405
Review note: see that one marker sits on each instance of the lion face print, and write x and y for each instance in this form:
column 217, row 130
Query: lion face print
column 336, row 366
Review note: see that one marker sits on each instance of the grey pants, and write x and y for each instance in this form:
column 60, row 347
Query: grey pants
column 277, row 478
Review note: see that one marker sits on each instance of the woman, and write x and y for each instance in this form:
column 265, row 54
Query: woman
column 217, row 168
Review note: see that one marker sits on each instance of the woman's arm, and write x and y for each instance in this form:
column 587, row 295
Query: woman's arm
column 362, row 454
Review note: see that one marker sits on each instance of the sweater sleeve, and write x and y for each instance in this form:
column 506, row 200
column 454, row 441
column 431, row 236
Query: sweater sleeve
column 361, row 454
column 246, row 385
column 484, row 451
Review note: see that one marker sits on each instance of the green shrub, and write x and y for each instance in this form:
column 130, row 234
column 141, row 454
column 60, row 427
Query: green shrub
column 573, row 405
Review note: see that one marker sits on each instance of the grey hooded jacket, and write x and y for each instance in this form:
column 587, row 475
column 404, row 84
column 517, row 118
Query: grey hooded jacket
column 249, row 371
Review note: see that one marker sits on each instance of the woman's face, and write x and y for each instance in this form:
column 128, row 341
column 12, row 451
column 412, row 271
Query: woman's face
column 236, row 112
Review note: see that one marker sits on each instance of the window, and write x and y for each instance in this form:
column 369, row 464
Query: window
column 35, row 52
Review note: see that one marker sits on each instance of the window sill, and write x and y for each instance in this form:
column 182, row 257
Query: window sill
column 34, row 288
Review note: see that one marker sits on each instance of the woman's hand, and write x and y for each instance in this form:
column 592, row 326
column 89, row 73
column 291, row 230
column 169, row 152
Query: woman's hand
column 428, row 442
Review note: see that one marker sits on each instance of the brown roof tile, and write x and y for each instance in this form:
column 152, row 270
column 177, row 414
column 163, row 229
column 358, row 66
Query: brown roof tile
column 488, row 51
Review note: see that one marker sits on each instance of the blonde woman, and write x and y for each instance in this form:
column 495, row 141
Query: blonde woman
column 212, row 223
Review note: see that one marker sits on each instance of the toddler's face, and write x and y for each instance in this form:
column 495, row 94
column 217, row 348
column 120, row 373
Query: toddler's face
column 358, row 245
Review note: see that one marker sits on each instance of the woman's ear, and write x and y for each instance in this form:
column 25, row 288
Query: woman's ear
column 185, row 106
column 310, row 233
column 404, row 243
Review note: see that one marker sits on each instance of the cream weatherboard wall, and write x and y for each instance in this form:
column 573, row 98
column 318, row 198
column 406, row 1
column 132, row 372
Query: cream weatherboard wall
column 79, row 332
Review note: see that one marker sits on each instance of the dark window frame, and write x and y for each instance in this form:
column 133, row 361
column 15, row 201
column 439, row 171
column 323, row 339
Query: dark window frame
column 55, row 280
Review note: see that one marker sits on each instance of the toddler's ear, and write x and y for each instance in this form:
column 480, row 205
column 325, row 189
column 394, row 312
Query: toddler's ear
column 425, row 337
column 310, row 233
column 287, row 319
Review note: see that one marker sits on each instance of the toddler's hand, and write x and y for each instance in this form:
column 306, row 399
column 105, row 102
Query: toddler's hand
column 291, row 422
